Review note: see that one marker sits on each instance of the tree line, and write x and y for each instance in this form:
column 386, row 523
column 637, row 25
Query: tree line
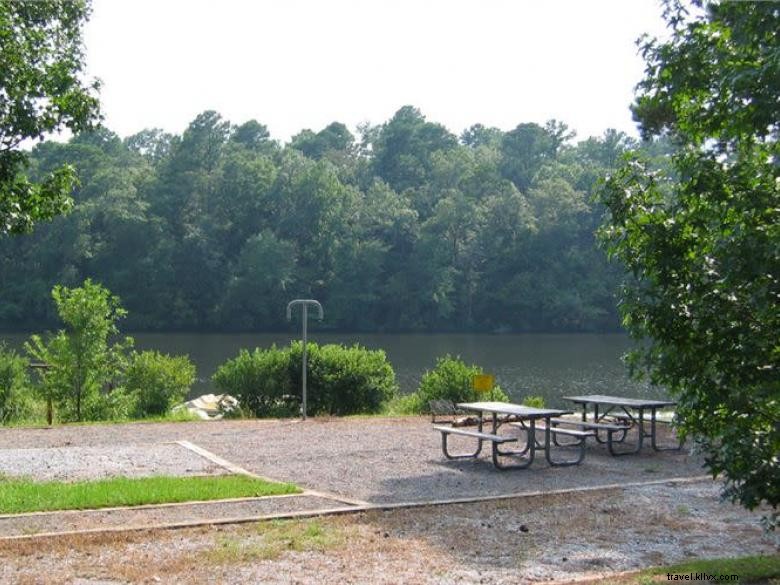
column 404, row 227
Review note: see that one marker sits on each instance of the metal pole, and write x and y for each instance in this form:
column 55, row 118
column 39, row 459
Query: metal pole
column 305, row 323
column 305, row 304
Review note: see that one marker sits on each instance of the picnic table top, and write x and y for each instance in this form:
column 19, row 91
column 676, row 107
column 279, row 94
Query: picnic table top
column 514, row 409
column 619, row 401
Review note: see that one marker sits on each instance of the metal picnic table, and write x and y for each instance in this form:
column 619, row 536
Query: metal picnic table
column 516, row 415
column 632, row 410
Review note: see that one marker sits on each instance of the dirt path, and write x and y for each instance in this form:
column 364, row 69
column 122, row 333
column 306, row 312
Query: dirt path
column 509, row 541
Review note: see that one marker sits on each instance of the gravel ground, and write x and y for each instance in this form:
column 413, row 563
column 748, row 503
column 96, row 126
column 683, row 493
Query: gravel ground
column 82, row 463
column 382, row 461
column 378, row 460
column 521, row 540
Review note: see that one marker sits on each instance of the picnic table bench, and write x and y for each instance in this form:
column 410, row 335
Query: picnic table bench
column 479, row 435
column 515, row 415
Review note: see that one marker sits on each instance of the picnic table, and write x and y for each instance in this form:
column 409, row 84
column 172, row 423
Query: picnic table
column 629, row 410
column 521, row 417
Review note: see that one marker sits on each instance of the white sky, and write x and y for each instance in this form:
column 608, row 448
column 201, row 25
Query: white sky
column 294, row 64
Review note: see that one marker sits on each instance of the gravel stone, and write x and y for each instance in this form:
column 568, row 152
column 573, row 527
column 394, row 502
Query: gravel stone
column 85, row 463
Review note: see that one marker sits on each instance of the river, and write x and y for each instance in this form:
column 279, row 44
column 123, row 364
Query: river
column 534, row 364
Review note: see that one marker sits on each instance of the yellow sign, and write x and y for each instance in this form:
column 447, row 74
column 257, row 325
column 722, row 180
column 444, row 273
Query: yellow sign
column 483, row 383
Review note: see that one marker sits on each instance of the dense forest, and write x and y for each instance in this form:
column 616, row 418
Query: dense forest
column 404, row 227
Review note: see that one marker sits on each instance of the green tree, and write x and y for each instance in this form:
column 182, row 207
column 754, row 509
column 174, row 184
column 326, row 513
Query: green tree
column 526, row 148
column 42, row 92
column 702, row 243
column 402, row 148
column 84, row 363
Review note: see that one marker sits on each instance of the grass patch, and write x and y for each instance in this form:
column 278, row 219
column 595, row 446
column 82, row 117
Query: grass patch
column 276, row 537
column 19, row 495
column 753, row 569
column 764, row 570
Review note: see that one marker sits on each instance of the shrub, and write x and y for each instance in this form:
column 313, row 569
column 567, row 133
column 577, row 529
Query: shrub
column 114, row 404
column 340, row 380
column 16, row 394
column 156, row 381
column 451, row 379
column 344, row 380
column 534, row 401
column 260, row 380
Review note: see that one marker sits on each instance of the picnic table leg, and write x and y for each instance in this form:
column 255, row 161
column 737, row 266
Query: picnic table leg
column 653, row 435
column 639, row 441
column 473, row 455
column 610, row 437
column 530, row 448
column 549, row 458
column 448, row 455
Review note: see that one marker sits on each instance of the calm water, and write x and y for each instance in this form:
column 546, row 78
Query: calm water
column 546, row 365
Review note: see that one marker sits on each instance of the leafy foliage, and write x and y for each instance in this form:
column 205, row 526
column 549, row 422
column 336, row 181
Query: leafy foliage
column 42, row 91
column 157, row 381
column 260, row 380
column 702, row 241
column 16, row 394
column 83, row 361
column 343, row 380
column 451, row 379
column 340, row 380
column 403, row 228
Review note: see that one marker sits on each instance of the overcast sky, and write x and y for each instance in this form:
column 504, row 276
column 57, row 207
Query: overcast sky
column 294, row 64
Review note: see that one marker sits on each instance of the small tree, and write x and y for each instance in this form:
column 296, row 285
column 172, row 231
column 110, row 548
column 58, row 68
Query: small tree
column 82, row 360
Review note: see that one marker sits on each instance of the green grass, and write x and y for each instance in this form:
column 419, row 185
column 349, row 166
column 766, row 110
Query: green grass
column 753, row 569
column 276, row 537
column 18, row 495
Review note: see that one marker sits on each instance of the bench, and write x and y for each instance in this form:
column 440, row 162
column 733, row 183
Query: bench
column 443, row 408
column 479, row 435
column 590, row 425
column 476, row 434
column 666, row 418
column 568, row 432
column 555, row 431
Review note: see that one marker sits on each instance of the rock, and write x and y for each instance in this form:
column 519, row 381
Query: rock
column 209, row 406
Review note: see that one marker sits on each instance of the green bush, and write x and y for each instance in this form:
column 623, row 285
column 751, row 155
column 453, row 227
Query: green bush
column 115, row 404
column 534, row 401
column 260, row 380
column 17, row 400
column 156, row 382
column 344, row 380
column 340, row 380
column 451, row 379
